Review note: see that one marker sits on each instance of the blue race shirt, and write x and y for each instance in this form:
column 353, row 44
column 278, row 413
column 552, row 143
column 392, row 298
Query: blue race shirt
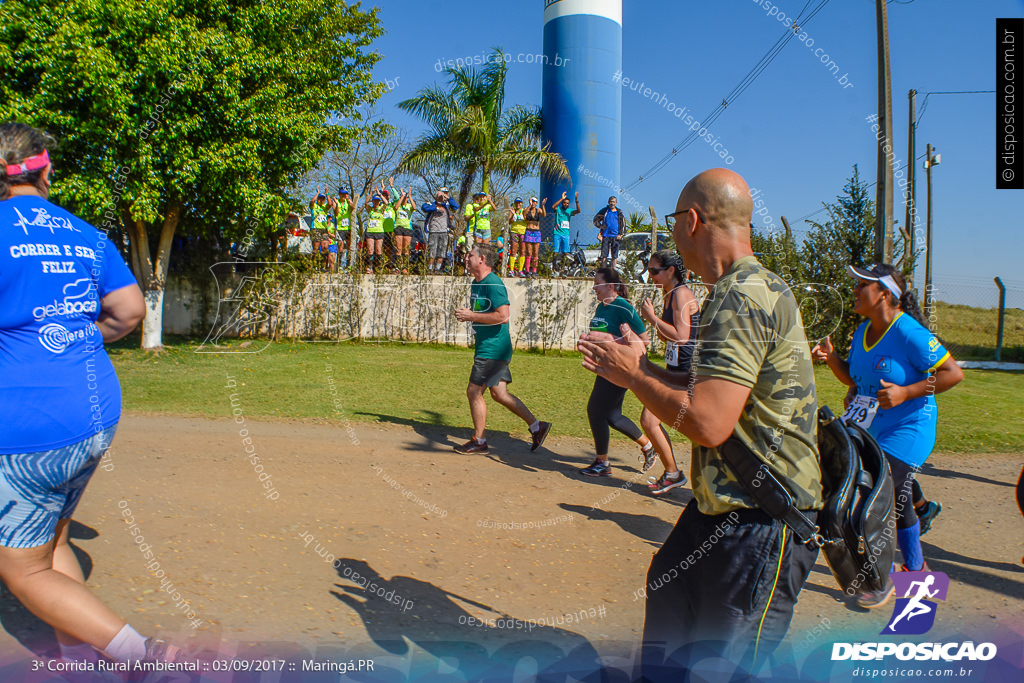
column 57, row 385
column 611, row 223
column 907, row 353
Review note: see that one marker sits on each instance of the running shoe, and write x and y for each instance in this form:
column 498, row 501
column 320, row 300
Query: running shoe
column 472, row 446
column 599, row 468
column 540, row 435
column 647, row 456
column 924, row 568
column 664, row 484
column 931, row 511
column 874, row 599
column 159, row 651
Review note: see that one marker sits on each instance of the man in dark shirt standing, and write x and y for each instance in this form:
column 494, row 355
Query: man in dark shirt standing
column 724, row 583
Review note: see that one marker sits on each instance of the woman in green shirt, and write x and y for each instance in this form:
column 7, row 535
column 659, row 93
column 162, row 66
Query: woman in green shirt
column 605, row 406
column 376, row 212
column 403, row 208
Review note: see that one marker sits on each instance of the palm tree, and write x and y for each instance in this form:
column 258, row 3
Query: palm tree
column 472, row 131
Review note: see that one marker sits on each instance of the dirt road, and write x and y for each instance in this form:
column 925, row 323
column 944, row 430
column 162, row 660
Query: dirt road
column 379, row 540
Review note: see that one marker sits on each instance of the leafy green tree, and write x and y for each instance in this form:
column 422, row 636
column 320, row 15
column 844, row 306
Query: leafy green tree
column 846, row 238
column 471, row 129
column 184, row 115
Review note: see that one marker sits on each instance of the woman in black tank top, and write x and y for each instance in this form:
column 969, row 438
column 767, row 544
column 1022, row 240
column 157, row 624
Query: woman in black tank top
column 677, row 327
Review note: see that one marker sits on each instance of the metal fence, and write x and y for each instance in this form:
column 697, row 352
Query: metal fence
column 965, row 316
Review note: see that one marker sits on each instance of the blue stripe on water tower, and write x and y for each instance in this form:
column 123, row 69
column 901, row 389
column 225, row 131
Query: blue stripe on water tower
column 582, row 105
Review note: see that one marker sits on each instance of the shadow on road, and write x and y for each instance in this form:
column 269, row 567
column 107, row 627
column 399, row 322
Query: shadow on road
column 403, row 611
column 644, row 527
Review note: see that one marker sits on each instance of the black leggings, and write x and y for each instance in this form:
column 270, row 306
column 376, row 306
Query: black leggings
column 605, row 410
column 902, row 480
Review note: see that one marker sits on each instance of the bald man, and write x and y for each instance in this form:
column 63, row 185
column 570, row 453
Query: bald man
column 725, row 581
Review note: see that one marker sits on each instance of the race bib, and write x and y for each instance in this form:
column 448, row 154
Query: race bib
column 372, row 223
column 671, row 353
column 321, row 218
column 862, row 410
column 564, row 225
column 343, row 222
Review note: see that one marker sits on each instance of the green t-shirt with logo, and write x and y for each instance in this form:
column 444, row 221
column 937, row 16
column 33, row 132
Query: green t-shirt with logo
column 322, row 217
column 492, row 341
column 375, row 219
column 562, row 217
column 751, row 334
column 401, row 212
column 344, row 215
column 610, row 317
column 480, row 215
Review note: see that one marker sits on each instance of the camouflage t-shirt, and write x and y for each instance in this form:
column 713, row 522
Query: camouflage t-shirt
column 751, row 333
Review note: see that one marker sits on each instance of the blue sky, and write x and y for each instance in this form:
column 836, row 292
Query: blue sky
column 796, row 132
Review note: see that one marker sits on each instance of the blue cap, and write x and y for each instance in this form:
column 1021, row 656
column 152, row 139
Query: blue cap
column 321, row 196
column 342, row 190
column 376, row 198
column 517, row 199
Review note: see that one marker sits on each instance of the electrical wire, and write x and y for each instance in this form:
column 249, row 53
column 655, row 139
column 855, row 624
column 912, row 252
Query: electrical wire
column 738, row 90
column 924, row 102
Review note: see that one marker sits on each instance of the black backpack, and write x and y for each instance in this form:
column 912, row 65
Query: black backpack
column 856, row 528
column 858, row 522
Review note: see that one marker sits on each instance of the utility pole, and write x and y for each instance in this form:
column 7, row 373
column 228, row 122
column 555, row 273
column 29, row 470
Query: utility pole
column 930, row 160
column 911, row 195
column 883, row 194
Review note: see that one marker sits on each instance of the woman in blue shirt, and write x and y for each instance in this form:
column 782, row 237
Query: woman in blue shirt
column 64, row 292
column 896, row 366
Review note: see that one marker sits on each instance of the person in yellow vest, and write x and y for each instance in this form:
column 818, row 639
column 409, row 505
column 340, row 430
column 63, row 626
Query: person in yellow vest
column 403, row 208
column 346, row 208
column 478, row 217
column 376, row 211
column 517, row 232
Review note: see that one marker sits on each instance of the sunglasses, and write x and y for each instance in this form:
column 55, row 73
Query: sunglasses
column 653, row 270
column 670, row 219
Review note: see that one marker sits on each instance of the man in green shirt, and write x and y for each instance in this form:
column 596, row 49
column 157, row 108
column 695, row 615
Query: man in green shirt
column 751, row 377
column 561, row 233
column 489, row 313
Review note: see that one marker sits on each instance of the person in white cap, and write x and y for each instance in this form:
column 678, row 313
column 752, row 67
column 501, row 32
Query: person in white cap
column 897, row 367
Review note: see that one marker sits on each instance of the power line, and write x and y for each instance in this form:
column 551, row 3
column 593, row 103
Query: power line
column 866, row 187
column 744, row 83
column 924, row 103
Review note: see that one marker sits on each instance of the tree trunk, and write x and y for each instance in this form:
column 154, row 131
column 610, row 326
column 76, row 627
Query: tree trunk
column 152, row 273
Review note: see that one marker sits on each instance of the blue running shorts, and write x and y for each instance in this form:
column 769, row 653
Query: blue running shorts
column 39, row 489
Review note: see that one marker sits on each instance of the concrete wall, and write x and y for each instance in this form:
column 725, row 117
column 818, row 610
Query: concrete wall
column 277, row 303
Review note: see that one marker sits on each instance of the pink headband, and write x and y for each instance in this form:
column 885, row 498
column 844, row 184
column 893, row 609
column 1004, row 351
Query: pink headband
column 30, row 164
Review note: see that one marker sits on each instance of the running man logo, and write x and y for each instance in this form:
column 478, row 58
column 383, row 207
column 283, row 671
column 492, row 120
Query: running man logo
column 913, row 613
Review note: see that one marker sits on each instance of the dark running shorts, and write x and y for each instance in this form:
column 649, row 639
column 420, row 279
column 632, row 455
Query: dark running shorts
column 343, row 237
column 403, row 232
column 489, row 372
column 319, row 235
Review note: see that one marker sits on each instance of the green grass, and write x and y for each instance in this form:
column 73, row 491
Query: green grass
column 420, row 385
column 970, row 333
